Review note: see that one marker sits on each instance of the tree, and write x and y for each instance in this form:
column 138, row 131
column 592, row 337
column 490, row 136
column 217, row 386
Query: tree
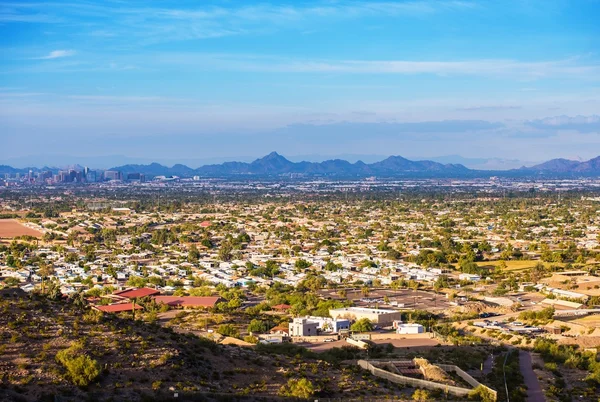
column 258, row 326
column 45, row 271
column 54, row 292
column 193, row 254
column 302, row 264
column 228, row 330
column 362, row 325
column 225, row 251
column 298, row 388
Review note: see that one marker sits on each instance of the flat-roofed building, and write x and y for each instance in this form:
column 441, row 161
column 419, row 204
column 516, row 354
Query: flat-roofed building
column 303, row 327
column 376, row 316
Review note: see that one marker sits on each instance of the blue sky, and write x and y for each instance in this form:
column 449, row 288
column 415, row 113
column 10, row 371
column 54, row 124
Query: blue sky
column 169, row 80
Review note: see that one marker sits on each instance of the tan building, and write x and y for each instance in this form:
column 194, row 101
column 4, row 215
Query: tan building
column 376, row 316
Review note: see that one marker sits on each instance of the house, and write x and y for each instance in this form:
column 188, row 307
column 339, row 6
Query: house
column 118, row 308
column 303, row 327
column 376, row 316
column 327, row 324
column 134, row 293
column 281, row 307
column 469, row 277
column 280, row 330
column 188, row 301
column 28, row 288
column 410, row 329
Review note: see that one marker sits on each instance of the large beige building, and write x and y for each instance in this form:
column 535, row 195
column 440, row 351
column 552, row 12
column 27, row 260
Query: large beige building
column 376, row 316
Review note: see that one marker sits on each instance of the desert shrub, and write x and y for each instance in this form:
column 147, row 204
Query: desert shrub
column 298, row 388
column 483, row 394
column 81, row 369
column 421, row 395
column 228, row 330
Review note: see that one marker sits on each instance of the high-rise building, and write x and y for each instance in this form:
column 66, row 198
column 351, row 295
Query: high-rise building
column 112, row 175
column 90, row 176
column 136, row 177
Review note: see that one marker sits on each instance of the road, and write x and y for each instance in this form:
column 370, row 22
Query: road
column 398, row 343
column 534, row 391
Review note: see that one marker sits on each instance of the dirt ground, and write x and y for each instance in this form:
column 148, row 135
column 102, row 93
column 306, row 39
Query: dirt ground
column 10, row 228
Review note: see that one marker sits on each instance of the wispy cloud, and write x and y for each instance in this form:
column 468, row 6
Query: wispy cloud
column 478, row 67
column 488, row 108
column 163, row 24
column 58, row 54
column 583, row 124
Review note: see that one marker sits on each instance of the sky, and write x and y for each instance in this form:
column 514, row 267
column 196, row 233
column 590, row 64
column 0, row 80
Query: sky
column 207, row 80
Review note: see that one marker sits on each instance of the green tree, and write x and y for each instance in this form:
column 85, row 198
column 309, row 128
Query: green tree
column 193, row 254
column 362, row 325
column 228, row 330
column 258, row 326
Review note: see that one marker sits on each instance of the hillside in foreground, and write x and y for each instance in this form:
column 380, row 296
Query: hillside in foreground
column 55, row 348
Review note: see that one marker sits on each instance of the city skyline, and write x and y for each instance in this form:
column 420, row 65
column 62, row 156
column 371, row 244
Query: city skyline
column 188, row 81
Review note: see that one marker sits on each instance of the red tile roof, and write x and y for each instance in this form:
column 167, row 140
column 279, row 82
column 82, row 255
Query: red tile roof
column 117, row 308
column 282, row 307
column 141, row 292
column 280, row 328
column 188, row 301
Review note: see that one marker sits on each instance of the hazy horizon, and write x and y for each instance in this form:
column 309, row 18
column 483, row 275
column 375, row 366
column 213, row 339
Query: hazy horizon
column 109, row 161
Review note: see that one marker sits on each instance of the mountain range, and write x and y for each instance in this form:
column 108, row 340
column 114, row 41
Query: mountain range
column 274, row 164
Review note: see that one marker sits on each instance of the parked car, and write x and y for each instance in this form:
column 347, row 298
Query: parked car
column 329, row 340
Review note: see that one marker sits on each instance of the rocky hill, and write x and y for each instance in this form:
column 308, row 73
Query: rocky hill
column 57, row 351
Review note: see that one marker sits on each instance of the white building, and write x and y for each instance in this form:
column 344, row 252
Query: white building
column 303, row 327
column 469, row 277
column 327, row 324
column 410, row 329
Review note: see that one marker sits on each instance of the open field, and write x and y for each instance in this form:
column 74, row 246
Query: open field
column 591, row 321
column 514, row 265
column 10, row 228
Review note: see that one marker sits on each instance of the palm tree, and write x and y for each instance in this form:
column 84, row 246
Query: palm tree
column 78, row 299
column 45, row 271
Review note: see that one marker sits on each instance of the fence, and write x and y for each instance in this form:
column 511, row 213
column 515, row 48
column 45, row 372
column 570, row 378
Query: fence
column 357, row 343
column 418, row 383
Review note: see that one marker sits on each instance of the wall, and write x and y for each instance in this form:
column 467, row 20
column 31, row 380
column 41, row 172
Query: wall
column 418, row 383
column 392, row 335
column 358, row 344
column 312, row 339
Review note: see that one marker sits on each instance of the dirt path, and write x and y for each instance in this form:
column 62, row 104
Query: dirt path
column 488, row 364
column 534, row 391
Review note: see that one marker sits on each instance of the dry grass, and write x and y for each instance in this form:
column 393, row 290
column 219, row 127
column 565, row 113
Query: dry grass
column 10, row 228
column 514, row 265
column 142, row 361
